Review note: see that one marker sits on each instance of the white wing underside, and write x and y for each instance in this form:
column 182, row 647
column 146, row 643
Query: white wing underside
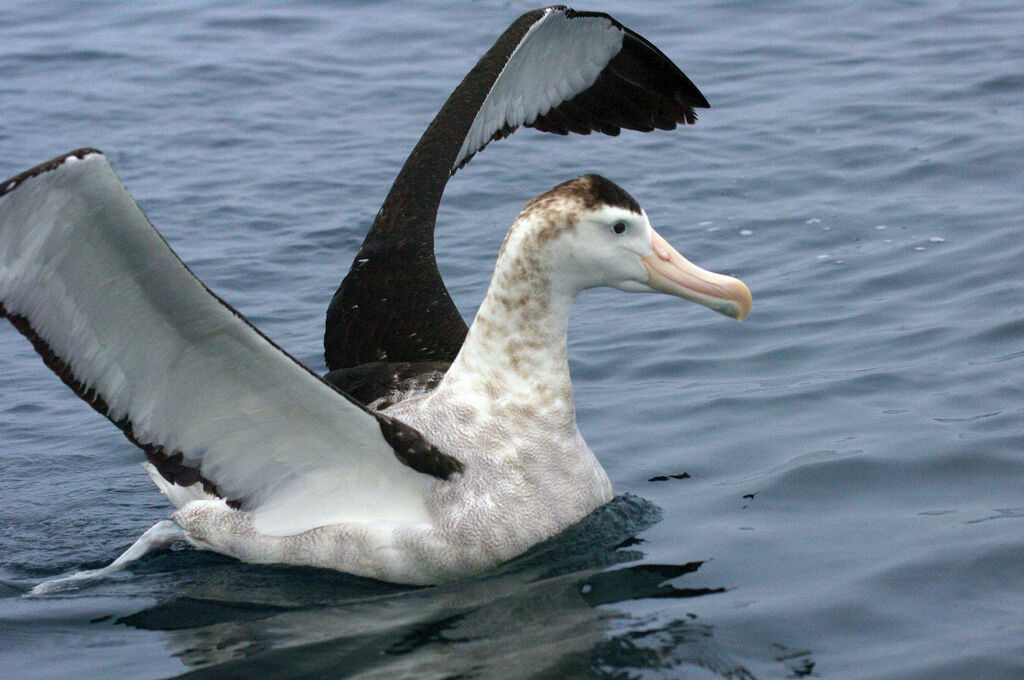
column 99, row 286
column 558, row 58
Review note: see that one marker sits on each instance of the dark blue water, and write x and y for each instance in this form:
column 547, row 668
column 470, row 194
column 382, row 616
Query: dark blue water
column 834, row 488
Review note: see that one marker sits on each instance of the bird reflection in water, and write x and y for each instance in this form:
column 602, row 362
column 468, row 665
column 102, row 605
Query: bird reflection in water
column 548, row 614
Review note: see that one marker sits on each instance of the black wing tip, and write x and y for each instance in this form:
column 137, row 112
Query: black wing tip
column 689, row 95
column 640, row 88
column 52, row 164
column 686, row 93
column 694, row 99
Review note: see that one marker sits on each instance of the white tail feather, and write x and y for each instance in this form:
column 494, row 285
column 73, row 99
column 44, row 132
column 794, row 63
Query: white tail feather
column 178, row 495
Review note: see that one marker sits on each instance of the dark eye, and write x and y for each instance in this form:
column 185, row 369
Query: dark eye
column 619, row 227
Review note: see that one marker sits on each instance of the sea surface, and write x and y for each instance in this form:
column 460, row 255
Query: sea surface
column 832, row 489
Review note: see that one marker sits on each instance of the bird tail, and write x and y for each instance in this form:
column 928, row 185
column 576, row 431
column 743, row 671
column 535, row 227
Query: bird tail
column 177, row 494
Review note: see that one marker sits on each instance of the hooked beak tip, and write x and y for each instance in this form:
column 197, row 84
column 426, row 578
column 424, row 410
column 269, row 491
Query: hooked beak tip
column 672, row 273
column 742, row 299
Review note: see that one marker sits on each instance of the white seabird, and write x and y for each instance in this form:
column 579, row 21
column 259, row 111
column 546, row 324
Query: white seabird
column 267, row 462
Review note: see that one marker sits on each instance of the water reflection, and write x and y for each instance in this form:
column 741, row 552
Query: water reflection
column 549, row 614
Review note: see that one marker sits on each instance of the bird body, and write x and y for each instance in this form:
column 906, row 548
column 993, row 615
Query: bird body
column 430, row 452
column 504, row 410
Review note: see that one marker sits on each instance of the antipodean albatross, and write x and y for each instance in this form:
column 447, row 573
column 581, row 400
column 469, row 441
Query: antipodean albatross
column 267, row 462
column 49, row 290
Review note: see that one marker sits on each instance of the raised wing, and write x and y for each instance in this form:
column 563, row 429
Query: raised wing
column 115, row 313
column 554, row 69
column 580, row 72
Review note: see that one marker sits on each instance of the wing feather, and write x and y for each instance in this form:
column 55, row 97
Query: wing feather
column 560, row 56
column 113, row 310
column 578, row 72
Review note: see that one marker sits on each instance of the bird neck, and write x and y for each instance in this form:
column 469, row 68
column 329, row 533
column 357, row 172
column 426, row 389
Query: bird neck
column 517, row 346
column 361, row 323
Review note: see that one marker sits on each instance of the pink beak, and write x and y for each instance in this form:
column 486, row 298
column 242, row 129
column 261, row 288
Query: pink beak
column 673, row 274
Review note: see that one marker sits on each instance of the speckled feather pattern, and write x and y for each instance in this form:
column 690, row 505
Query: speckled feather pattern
column 505, row 410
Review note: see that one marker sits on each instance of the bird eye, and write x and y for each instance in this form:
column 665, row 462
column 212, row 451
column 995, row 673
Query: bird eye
column 619, row 227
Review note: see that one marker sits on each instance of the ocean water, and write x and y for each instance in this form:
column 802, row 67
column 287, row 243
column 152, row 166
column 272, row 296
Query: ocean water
column 833, row 488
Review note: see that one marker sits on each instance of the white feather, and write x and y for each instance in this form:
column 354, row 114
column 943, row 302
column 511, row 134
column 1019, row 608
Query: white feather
column 81, row 262
column 558, row 58
column 178, row 495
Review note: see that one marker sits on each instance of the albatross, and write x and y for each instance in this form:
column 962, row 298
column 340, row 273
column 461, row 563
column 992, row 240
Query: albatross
column 268, row 462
